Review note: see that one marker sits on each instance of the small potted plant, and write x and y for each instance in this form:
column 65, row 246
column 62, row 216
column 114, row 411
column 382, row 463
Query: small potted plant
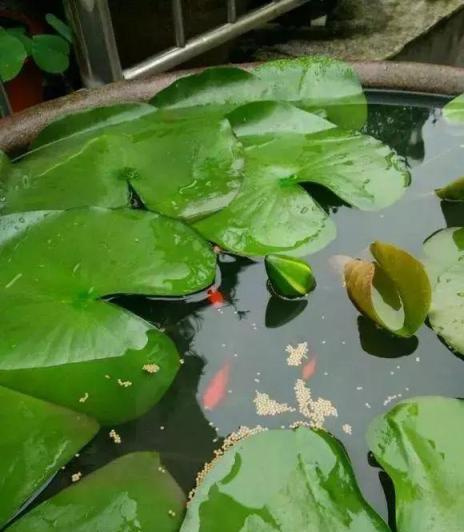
column 26, row 52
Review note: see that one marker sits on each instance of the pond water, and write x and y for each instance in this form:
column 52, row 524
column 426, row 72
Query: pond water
column 358, row 367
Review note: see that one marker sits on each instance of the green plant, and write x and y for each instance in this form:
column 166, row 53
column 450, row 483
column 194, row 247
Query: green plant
column 50, row 52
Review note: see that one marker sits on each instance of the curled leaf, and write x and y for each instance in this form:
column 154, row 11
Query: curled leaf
column 454, row 191
column 394, row 291
column 289, row 276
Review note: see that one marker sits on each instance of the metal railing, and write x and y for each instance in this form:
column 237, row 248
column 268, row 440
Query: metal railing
column 97, row 51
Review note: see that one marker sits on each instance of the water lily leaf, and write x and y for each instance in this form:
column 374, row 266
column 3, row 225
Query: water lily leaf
column 444, row 253
column 133, row 492
column 313, row 83
column 90, row 121
column 454, row 110
column 318, row 83
column 182, row 168
column 419, row 444
column 50, row 53
column 218, row 90
column 112, row 390
column 60, row 264
column 452, row 192
column 394, row 291
column 37, row 439
column 272, row 213
column 12, row 55
column 282, row 480
column 289, row 276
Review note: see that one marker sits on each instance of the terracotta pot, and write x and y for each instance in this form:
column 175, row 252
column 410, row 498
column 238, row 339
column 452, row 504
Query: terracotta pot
column 17, row 131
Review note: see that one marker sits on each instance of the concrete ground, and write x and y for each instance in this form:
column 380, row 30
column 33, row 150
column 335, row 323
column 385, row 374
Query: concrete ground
column 414, row 30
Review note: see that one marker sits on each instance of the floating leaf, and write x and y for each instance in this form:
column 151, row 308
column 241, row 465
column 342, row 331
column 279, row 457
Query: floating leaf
column 394, row 291
column 183, row 168
column 313, row 83
column 12, row 55
column 452, row 192
column 56, row 267
column 217, row 90
column 133, row 492
column 272, row 213
column 285, row 480
column 318, row 83
column 444, row 253
column 289, row 276
column 90, row 121
column 112, row 390
column 419, row 444
column 37, row 439
column 50, row 53
column 454, row 110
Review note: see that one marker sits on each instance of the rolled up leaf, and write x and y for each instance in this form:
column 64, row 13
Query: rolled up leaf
column 289, row 276
column 394, row 291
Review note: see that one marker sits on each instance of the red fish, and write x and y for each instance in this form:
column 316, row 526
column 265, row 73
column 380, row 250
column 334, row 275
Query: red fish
column 309, row 369
column 215, row 297
column 217, row 388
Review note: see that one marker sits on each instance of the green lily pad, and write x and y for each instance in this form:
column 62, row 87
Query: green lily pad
column 56, row 267
column 394, row 291
column 419, row 444
column 217, row 90
column 272, row 213
column 112, row 390
column 131, row 493
column 454, row 110
column 12, row 55
column 318, row 83
column 59, row 26
column 289, row 276
column 37, row 439
column 90, row 121
column 452, row 192
column 282, row 480
column 183, row 168
column 444, row 253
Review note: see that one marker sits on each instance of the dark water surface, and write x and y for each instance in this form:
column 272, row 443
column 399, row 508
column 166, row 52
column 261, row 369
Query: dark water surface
column 358, row 366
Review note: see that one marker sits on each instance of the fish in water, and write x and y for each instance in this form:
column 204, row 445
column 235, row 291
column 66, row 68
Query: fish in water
column 216, row 390
column 309, row 369
column 215, row 297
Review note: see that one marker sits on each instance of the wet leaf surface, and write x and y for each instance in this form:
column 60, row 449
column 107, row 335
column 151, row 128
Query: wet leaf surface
column 419, row 444
column 282, row 480
column 133, row 492
column 37, row 439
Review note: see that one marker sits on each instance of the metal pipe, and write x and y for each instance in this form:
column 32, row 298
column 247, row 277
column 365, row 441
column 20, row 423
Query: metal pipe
column 174, row 56
column 231, row 11
column 5, row 107
column 178, row 17
column 94, row 41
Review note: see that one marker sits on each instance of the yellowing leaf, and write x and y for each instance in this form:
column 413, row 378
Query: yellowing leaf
column 394, row 291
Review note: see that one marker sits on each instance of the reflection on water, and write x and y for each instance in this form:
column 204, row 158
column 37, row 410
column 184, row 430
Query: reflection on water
column 358, row 367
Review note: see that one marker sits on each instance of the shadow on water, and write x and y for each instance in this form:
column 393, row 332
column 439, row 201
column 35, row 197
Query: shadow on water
column 380, row 343
column 453, row 212
column 388, row 489
column 281, row 311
